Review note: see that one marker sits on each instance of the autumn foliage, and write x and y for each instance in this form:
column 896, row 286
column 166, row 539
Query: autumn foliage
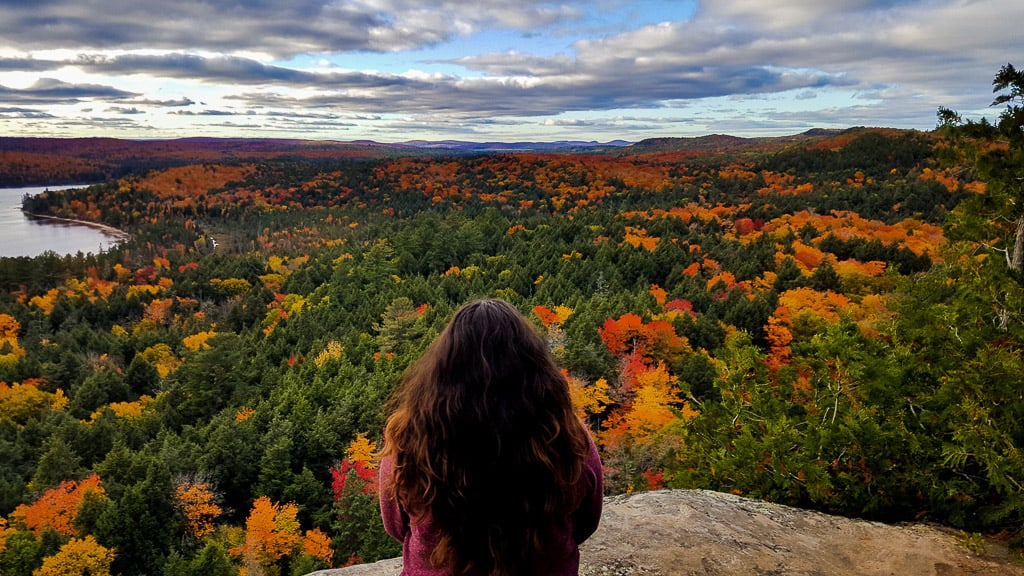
column 4, row 531
column 57, row 508
column 271, row 532
column 22, row 401
column 629, row 335
column 360, row 461
column 781, row 318
column 197, row 502
column 78, row 557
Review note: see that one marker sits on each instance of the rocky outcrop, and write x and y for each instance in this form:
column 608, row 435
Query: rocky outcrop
column 698, row 532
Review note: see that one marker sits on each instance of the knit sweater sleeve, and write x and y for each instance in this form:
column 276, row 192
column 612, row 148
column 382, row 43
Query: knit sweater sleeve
column 396, row 521
column 586, row 518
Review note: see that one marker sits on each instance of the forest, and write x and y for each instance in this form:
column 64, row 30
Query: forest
column 833, row 321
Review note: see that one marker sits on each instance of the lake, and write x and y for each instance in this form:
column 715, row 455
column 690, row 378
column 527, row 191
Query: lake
column 21, row 235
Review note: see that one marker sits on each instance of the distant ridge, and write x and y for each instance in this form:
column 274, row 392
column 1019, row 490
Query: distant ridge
column 724, row 143
column 464, row 146
column 711, row 140
column 29, row 161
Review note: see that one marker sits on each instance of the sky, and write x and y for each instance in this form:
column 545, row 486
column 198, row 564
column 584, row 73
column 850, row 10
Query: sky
column 495, row 70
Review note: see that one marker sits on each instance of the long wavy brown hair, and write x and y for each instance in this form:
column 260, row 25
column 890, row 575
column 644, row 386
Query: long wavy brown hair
column 485, row 441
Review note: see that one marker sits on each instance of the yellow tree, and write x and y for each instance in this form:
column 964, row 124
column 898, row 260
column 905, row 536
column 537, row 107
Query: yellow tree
column 9, row 328
column 361, row 449
column 588, row 399
column 198, row 341
column 271, row 532
column 4, row 530
column 23, row 401
column 162, row 357
column 649, row 410
column 196, row 502
column 318, row 545
column 78, row 557
column 10, row 350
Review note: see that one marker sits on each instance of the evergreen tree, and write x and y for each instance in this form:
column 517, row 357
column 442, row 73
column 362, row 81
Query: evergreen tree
column 141, row 525
column 58, row 463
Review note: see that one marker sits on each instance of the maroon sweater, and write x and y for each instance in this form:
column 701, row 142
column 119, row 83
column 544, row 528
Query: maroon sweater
column 562, row 556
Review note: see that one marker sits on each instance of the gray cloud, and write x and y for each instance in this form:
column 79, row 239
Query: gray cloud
column 302, row 115
column 233, row 69
column 504, row 96
column 53, row 91
column 852, row 44
column 174, row 103
column 205, row 113
column 29, row 64
column 280, row 28
column 72, row 126
column 14, row 112
column 936, row 51
column 123, row 110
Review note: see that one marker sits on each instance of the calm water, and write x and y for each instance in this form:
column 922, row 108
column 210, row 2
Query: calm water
column 24, row 236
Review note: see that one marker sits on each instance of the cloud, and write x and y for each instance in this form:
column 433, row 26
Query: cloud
column 173, row 103
column 279, row 28
column 123, row 110
column 206, row 113
column 14, row 112
column 29, row 64
column 937, row 50
column 536, row 96
column 303, row 115
column 53, row 91
column 72, row 126
column 566, row 122
column 233, row 69
column 894, row 60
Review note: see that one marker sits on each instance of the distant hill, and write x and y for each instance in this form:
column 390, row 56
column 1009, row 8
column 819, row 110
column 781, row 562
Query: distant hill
column 561, row 145
column 726, row 143
column 39, row 161
column 28, row 161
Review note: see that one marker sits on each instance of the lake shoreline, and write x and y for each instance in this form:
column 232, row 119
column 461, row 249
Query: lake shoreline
column 117, row 233
column 24, row 233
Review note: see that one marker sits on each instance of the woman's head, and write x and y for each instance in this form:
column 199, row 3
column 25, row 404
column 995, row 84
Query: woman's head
column 485, row 439
column 488, row 350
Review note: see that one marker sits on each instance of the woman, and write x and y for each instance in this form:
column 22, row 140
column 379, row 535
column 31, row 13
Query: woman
column 487, row 470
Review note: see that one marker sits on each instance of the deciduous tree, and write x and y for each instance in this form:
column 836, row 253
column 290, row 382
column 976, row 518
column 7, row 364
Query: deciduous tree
column 57, row 507
column 271, row 532
column 77, row 558
column 198, row 503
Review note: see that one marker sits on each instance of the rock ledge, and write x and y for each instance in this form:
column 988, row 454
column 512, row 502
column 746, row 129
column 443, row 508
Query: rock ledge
column 699, row 532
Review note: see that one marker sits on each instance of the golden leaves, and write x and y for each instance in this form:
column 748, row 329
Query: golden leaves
column 4, row 531
column 197, row 503
column 588, row 399
column 77, row 557
column 271, row 532
column 318, row 545
column 198, row 341
column 362, row 450
column 162, row 357
column 637, row 238
column 333, row 351
column 21, row 401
